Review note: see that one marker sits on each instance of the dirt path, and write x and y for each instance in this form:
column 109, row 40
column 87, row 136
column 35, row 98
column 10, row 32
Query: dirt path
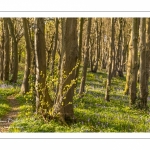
column 11, row 116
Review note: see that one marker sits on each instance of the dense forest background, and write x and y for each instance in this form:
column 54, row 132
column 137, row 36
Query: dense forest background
column 74, row 74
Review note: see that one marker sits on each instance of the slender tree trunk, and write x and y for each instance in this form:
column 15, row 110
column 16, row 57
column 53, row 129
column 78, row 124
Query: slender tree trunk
column 86, row 58
column 126, row 91
column 15, row 51
column 114, row 67
column 25, row 83
column 2, row 54
column 142, row 81
column 134, row 61
column 119, row 52
column 55, row 46
column 80, row 46
column 43, row 101
column 148, row 56
column 49, row 53
column 91, row 51
column 6, row 52
column 97, row 43
column 109, row 73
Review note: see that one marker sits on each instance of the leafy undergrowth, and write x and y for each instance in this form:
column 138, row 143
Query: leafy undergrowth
column 5, row 90
column 92, row 113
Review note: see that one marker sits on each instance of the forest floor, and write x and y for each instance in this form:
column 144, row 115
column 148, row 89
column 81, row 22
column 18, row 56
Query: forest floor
column 92, row 112
column 7, row 120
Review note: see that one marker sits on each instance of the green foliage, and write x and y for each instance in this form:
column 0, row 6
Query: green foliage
column 4, row 107
column 92, row 113
column 5, row 90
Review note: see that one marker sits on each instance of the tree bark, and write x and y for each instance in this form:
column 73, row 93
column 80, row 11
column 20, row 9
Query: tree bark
column 80, row 46
column 142, row 80
column 2, row 54
column 25, row 83
column 43, row 101
column 55, row 46
column 6, row 52
column 15, row 51
column 134, row 61
column 64, row 103
column 109, row 73
column 86, row 59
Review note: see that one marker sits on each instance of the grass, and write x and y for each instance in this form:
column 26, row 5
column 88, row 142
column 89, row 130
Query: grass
column 92, row 113
column 5, row 91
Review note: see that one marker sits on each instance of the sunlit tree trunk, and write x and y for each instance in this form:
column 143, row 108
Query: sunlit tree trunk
column 109, row 66
column 129, row 58
column 142, row 80
column 55, row 46
column 43, row 101
column 97, row 45
column 113, row 47
column 120, row 48
column 2, row 53
column 147, row 55
column 80, row 45
column 134, row 60
column 86, row 58
column 6, row 52
column 15, row 51
column 63, row 107
column 25, row 83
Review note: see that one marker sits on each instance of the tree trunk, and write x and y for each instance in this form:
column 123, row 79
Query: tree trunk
column 148, row 56
column 2, row 54
column 25, row 83
column 119, row 52
column 142, row 80
column 134, row 60
column 15, row 51
column 109, row 73
column 98, row 39
column 43, row 101
column 6, row 52
column 80, row 46
column 64, row 103
column 86, row 59
column 113, row 30
column 55, row 46
column 129, row 59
